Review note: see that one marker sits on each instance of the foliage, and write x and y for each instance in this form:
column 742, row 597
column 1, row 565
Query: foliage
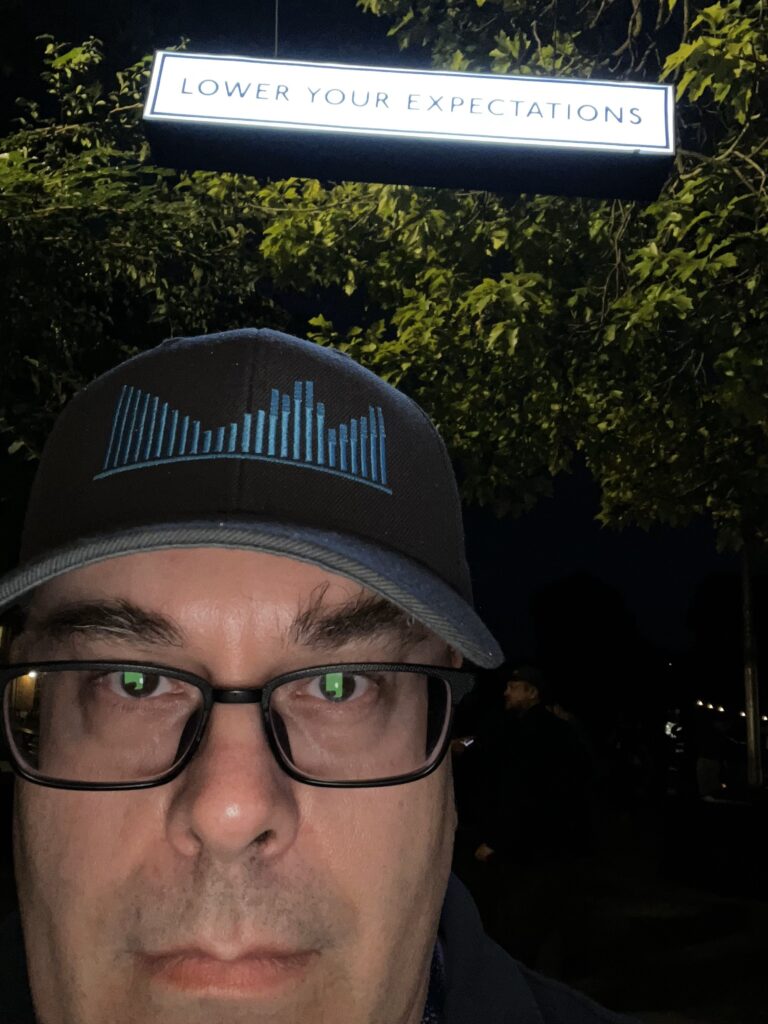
column 530, row 329
column 684, row 338
column 103, row 253
column 665, row 357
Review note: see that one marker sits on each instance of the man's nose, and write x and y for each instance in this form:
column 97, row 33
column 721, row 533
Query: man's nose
column 233, row 797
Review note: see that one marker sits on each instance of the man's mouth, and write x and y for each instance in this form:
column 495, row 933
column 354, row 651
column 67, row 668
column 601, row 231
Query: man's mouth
column 250, row 973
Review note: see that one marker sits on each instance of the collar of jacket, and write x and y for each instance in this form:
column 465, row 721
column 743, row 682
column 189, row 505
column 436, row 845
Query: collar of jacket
column 483, row 983
column 15, row 998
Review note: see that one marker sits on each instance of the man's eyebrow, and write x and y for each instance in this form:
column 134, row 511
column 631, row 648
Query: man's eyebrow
column 111, row 620
column 364, row 617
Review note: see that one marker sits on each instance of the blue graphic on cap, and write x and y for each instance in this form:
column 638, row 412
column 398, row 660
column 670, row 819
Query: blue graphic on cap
column 146, row 431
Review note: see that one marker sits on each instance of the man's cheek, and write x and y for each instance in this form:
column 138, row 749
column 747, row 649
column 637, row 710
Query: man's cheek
column 398, row 829
column 68, row 848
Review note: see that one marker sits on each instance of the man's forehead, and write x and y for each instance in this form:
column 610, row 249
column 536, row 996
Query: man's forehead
column 159, row 595
column 217, row 563
column 188, row 577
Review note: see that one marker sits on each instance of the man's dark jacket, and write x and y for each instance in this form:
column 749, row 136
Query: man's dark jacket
column 532, row 788
column 483, row 985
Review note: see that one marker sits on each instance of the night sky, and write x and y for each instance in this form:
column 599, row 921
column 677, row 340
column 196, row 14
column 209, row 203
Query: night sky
column 657, row 575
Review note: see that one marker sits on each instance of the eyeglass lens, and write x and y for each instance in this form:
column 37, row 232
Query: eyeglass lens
column 125, row 725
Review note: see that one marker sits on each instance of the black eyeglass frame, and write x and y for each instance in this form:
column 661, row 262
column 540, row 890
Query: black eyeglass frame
column 460, row 682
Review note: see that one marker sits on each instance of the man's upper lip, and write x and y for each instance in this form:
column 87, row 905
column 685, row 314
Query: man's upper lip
column 227, row 954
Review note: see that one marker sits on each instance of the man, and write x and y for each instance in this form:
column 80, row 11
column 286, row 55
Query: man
column 223, row 521
column 535, row 817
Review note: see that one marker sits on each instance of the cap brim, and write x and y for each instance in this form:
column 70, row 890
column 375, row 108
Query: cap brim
column 398, row 579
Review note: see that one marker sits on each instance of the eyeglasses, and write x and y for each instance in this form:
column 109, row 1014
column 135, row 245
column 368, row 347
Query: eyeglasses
column 114, row 725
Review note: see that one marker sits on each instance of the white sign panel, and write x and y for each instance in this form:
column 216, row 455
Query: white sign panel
column 495, row 109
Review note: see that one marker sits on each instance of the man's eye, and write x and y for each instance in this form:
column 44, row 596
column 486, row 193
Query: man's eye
column 339, row 687
column 134, row 684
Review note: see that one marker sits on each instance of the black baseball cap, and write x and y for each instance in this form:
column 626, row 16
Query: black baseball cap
column 254, row 439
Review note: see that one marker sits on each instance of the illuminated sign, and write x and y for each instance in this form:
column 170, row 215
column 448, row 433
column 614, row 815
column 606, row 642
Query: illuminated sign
column 278, row 118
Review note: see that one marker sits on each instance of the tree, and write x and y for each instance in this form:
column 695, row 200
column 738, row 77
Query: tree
column 530, row 328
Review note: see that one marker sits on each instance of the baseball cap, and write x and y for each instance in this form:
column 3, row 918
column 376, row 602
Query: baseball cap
column 254, row 439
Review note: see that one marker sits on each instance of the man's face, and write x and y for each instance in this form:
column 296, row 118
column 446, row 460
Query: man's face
column 519, row 695
column 233, row 854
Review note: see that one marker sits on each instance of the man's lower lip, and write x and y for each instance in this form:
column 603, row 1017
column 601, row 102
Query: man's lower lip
column 248, row 976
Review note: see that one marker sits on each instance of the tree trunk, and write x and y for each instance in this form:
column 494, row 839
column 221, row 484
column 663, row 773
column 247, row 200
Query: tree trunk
column 754, row 743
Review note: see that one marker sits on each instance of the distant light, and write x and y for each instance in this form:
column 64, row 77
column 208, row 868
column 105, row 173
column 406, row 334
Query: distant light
column 669, row 663
column 765, row 718
column 742, row 714
column 720, row 708
column 32, row 674
column 699, row 703
column 711, row 707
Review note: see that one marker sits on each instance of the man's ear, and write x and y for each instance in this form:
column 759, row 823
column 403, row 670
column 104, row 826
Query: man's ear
column 455, row 657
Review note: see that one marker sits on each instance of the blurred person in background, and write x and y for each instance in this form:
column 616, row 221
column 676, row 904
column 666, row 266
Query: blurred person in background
column 535, row 823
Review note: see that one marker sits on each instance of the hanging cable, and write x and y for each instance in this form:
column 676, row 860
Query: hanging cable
column 277, row 25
